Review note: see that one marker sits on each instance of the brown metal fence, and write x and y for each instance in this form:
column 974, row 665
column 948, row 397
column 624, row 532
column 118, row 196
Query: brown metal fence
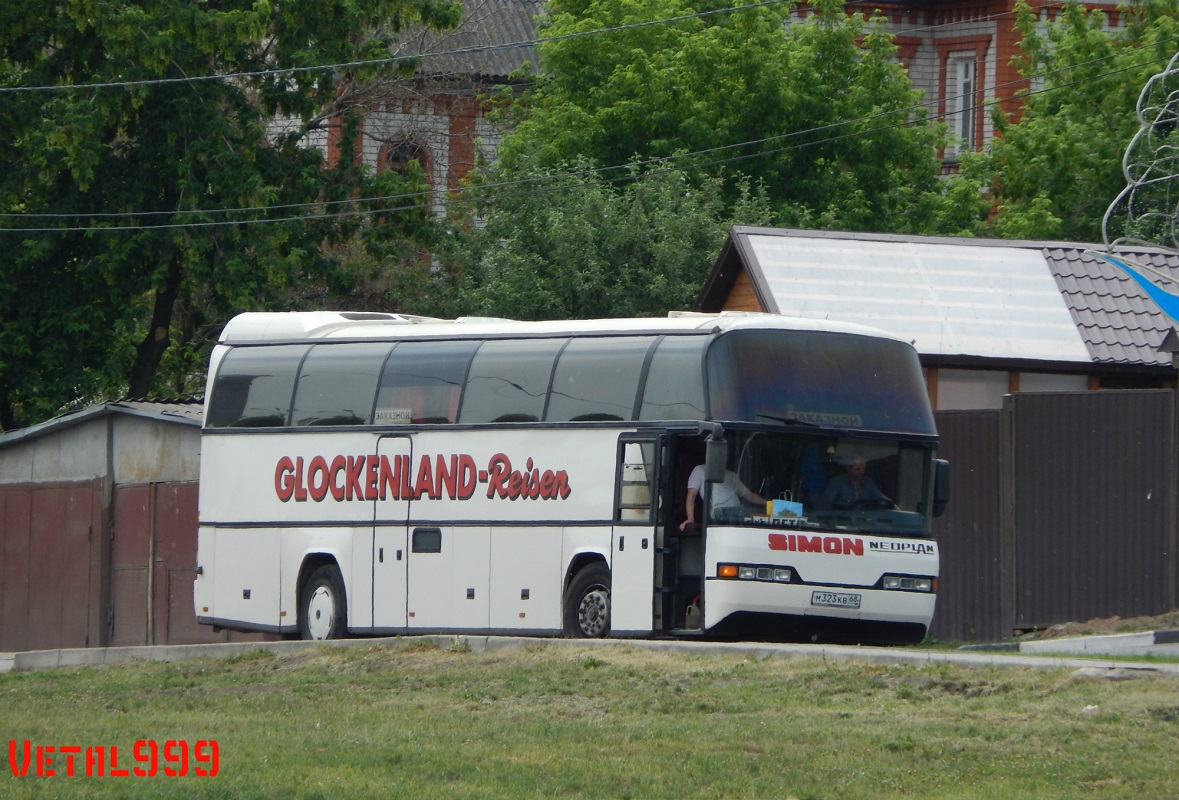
column 69, row 579
column 969, row 601
column 1094, row 505
column 1063, row 508
column 50, row 565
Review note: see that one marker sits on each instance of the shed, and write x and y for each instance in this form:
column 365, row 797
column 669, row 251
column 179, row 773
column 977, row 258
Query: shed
column 988, row 316
column 98, row 523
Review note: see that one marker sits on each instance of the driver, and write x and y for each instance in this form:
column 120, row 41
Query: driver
column 854, row 488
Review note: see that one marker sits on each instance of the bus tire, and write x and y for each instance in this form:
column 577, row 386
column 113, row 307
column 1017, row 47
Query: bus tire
column 323, row 608
column 587, row 603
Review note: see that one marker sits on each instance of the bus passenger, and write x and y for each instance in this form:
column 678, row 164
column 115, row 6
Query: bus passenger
column 727, row 497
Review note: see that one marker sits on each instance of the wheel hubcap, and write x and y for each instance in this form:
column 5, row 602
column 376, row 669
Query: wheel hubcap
column 321, row 613
column 593, row 614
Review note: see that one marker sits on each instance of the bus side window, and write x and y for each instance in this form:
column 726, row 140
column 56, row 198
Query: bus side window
column 422, row 382
column 674, row 388
column 337, row 383
column 254, row 386
column 636, row 475
column 597, row 378
column 509, row 380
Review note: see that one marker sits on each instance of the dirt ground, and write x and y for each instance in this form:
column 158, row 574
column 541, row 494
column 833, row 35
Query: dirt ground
column 1099, row 627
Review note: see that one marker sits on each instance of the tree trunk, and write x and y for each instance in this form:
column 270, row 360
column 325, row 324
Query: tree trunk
column 7, row 412
column 149, row 352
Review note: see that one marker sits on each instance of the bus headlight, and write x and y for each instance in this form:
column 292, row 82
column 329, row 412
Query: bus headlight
column 907, row 583
column 751, row 572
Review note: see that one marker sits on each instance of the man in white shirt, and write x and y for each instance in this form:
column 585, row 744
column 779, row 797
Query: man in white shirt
column 727, row 497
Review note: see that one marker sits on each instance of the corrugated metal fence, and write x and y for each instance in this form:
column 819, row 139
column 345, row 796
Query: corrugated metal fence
column 1063, row 508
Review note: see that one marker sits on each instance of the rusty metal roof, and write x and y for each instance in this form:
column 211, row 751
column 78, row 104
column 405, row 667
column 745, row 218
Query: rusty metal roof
column 181, row 411
column 1017, row 301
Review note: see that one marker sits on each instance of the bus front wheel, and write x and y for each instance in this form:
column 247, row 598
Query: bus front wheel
column 587, row 603
column 323, row 609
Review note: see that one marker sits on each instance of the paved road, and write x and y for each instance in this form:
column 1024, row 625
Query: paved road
column 1056, row 654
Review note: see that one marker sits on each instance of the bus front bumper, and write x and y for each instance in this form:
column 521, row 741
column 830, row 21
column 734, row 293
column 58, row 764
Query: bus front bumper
column 727, row 600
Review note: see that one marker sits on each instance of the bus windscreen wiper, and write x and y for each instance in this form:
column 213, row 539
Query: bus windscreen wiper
column 788, row 420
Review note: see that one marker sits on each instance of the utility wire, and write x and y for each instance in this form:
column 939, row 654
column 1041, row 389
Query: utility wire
column 469, row 50
column 478, row 191
column 377, row 62
column 551, row 180
column 352, row 203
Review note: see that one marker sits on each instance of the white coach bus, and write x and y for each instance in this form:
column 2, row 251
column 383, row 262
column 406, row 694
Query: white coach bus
column 378, row 474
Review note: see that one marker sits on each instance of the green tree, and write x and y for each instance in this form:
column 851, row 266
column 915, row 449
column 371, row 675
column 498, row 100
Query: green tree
column 1054, row 172
column 127, row 127
column 584, row 246
column 818, row 110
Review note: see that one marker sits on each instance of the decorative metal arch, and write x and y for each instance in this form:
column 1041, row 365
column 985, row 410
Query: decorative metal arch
column 1147, row 210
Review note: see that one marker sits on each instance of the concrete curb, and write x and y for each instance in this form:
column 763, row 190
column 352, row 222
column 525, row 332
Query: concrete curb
column 37, row 660
column 1130, row 644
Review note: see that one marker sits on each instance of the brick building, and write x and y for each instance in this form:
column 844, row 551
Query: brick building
column 959, row 54
column 439, row 118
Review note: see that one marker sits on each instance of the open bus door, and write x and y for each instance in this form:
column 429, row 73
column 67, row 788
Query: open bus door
column 681, row 582
column 634, row 604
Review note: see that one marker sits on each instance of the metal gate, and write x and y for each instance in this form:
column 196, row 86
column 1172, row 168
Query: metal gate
column 50, row 565
column 1063, row 509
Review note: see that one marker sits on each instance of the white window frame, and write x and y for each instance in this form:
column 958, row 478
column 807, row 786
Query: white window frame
column 961, row 109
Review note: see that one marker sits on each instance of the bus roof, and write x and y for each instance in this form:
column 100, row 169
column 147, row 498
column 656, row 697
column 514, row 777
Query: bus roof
column 301, row 326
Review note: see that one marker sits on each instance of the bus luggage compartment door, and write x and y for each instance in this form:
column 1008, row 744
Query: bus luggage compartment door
column 448, row 578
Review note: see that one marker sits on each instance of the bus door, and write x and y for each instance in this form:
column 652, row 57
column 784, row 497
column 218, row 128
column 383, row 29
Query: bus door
column 682, row 553
column 390, row 540
column 634, row 604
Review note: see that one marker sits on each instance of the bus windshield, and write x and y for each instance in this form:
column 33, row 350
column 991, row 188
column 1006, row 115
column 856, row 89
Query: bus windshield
column 826, row 379
column 834, row 483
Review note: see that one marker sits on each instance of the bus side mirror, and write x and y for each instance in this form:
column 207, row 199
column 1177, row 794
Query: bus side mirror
column 941, row 486
column 715, row 456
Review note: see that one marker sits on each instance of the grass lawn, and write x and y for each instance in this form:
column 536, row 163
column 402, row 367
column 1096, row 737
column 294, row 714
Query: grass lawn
column 412, row 720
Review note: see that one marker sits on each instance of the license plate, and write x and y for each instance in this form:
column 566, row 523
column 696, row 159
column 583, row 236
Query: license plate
column 835, row 599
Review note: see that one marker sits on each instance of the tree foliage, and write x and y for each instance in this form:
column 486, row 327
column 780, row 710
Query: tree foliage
column 119, row 157
column 818, row 110
column 585, row 246
column 1054, row 171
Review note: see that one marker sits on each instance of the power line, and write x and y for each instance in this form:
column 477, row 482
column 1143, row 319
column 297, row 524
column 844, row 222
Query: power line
column 377, row 62
column 551, row 180
column 469, row 50
column 352, row 203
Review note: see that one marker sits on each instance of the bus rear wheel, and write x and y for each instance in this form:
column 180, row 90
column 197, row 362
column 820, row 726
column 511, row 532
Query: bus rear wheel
column 587, row 603
column 323, row 609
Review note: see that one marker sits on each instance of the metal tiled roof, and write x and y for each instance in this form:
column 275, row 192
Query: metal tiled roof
column 493, row 39
column 1057, row 302
column 1117, row 320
